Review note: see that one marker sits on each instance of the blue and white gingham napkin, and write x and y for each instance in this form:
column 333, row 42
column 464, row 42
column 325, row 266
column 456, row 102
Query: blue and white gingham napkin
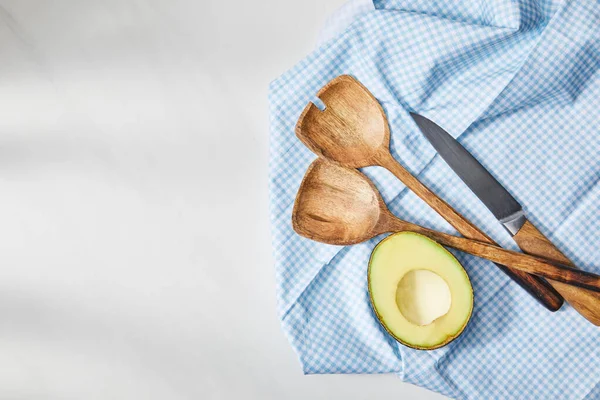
column 518, row 83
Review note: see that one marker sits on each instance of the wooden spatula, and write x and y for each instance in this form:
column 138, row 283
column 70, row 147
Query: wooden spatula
column 341, row 206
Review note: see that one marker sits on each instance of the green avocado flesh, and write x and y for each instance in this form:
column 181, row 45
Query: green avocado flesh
column 420, row 292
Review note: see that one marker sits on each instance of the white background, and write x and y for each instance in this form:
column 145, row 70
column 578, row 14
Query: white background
column 135, row 258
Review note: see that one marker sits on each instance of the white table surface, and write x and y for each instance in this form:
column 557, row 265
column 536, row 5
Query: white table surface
column 135, row 248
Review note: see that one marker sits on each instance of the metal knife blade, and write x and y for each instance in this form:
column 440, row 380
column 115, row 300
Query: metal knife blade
column 495, row 197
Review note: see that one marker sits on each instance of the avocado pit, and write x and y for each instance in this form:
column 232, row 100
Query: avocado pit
column 423, row 296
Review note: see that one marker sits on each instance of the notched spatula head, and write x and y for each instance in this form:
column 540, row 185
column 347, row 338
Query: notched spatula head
column 352, row 130
column 336, row 205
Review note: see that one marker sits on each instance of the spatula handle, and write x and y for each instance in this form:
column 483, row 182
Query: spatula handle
column 523, row 262
column 535, row 286
column 532, row 241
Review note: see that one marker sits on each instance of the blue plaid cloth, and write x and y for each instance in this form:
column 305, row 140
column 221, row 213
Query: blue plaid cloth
column 517, row 83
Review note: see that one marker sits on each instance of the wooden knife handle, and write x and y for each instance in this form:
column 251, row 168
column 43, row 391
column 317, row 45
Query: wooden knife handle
column 533, row 242
column 537, row 287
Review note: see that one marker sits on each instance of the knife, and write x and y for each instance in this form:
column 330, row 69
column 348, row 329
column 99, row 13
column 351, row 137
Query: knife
column 507, row 210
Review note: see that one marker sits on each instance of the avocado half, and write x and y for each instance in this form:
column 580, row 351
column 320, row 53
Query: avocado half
column 419, row 291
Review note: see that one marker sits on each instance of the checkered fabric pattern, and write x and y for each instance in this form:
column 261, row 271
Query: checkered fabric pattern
column 517, row 83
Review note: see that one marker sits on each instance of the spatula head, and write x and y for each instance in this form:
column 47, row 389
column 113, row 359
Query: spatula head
column 336, row 205
column 352, row 130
